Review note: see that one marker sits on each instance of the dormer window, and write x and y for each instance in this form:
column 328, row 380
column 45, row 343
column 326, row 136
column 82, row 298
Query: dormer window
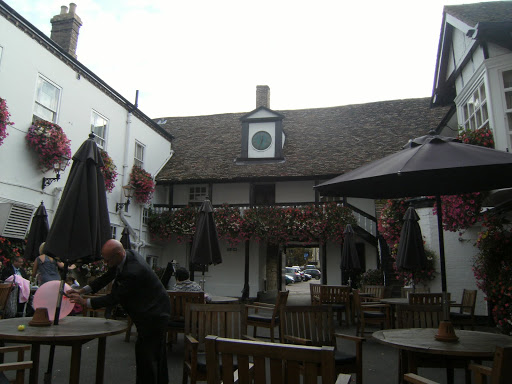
column 262, row 136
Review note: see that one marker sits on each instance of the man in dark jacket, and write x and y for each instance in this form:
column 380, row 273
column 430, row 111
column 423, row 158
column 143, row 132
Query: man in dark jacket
column 137, row 288
column 14, row 268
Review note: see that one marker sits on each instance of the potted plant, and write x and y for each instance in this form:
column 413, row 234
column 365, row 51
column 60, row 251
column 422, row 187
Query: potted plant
column 109, row 171
column 4, row 120
column 49, row 142
column 143, row 184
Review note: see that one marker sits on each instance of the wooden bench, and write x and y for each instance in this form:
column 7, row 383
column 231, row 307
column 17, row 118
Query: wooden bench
column 246, row 362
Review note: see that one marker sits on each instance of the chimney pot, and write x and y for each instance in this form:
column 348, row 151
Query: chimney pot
column 263, row 96
column 65, row 28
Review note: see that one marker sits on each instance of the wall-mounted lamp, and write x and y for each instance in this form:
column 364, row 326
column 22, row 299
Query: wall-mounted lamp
column 58, row 167
column 128, row 191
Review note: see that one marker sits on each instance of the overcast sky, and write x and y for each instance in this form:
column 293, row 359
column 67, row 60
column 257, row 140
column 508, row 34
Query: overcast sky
column 200, row 57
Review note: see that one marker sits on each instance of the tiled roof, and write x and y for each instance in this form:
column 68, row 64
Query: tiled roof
column 321, row 142
column 471, row 14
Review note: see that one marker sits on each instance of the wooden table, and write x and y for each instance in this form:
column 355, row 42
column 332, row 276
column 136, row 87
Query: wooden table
column 223, row 300
column 71, row 331
column 471, row 345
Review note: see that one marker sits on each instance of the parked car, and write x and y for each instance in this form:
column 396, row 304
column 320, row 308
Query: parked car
column 307, row 277
column 292, row 271
column 314, row 273
column 310, row 266
column 301, row 272
column 289, row 279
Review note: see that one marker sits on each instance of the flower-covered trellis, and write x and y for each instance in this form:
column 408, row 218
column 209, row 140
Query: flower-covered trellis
column 143, row 184
column 49, row 142
column 4, row 120
column 493, row 269
column 109, row 171
column 275, row 225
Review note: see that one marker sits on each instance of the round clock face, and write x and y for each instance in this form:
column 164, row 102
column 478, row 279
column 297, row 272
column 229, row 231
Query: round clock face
column 261, row 140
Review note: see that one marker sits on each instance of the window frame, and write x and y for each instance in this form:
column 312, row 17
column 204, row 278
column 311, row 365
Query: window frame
column 474, row 110
column 41, row 79
column 197, row 196
column 97, row 137
column 507, row 109
column 136, row 161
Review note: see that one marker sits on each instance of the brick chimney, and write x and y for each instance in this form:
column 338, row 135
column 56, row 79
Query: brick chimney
column 262, row 96
column 65, row 27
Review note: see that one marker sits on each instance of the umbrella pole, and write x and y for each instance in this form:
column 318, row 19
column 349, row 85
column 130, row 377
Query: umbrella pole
column 441, row 242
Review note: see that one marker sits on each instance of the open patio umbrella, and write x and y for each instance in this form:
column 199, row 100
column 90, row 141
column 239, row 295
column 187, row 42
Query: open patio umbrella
column 81, row 224
column 411, row 253
column 429, row 165
column 349, row 257
column 38, row 232
column 205, row 248
column 125, row 239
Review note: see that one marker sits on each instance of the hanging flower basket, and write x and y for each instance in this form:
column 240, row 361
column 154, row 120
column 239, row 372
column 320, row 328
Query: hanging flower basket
column 49, row 142
column 109, row 171
column 143, row 184
column 4, row 120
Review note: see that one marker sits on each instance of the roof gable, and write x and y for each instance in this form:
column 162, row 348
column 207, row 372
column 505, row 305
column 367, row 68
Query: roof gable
column 262, row 113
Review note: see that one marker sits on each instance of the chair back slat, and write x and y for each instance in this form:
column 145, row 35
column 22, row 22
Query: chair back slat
column 286, row 362
column 179, row 301
column 334, row 294
column 5, row 290
column 376, row 291
column 425, row 310
column 406, row 290
column 468, row 301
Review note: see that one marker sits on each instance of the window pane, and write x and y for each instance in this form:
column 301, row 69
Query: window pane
column 471, row 108
column 507, row 79
column 43, row 113
column 509, row 119
column 476, row 100
column 478, row 119
column 485, row 115
column 508, row 98
column 482, row 92
column 48, row 95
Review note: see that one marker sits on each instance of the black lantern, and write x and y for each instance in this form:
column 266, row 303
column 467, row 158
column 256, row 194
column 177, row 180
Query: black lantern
column 58, row 167
column 128, row 191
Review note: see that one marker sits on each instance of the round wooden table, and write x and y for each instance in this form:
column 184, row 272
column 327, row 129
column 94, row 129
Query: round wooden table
column 471, row 345
column 71, row 331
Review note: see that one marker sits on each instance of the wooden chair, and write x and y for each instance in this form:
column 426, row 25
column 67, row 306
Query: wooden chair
column 201, row 320
column 314, row 290
column 266, row 315
column 370, row 313
column 20, row 366
column 405, row 290
column 314, row 326
column 376, row 292
column 499, row 373
column 338, row 297
column 425, row 310
column 230, row 361
column 179, row 302
column 466, row 314
column 5, row 290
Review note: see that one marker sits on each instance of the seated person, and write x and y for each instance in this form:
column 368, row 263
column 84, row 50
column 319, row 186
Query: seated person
column 15, row 268
column 184, row 284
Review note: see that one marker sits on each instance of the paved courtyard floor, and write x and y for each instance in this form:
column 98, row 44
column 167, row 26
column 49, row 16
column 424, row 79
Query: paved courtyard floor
column 380, row 362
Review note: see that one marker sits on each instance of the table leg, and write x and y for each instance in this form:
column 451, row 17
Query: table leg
column 100, row 362
column 74, row 371
column 34, row 356
column 402, row 365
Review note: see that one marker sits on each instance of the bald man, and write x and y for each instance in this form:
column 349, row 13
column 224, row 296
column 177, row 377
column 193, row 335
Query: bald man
column 137, row 288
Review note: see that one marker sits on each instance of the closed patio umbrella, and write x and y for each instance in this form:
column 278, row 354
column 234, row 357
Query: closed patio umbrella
column 81, row 224
column 205, row 248
column 125, row 239
column 428, row 165
column 38, row 233
column 411, row 253
column 349, row 257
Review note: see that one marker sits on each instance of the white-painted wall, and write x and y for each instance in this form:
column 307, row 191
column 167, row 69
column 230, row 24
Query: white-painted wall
column 460, row 253
column 232, row 193
column 23, row 59
column 295, row 191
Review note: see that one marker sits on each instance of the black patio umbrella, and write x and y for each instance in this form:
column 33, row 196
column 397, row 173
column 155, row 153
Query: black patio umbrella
column 125, row 238
column 428, row 165
column 349, row 257
column 205, row 244
column 81, row 224
column 411, row 253
column 38, row 233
